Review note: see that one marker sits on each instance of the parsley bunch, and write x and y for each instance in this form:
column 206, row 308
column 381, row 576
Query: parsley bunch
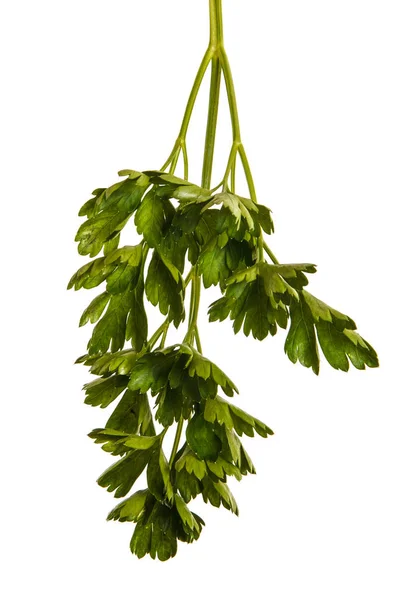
column 219, row 236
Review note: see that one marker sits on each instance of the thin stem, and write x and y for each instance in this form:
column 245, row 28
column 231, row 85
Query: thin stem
column 175, row 160
column 233, row 176
column 270, row 253
column 216, row 23
column 248, row 173
column 176, row 441
column 197, row 340
column 185, row 158
column 190, row 105
column 164, row 337
column 211, row 122
column 231, row 166
column 194, row 92
column 231, row 94
column 252, row 193
column 161, row 329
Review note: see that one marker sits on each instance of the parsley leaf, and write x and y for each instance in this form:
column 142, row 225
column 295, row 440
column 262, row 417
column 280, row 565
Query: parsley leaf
column 336, row 335
column 163, row 291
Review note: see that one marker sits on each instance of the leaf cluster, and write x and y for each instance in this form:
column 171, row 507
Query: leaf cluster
column 221, row 236
column 263, row 297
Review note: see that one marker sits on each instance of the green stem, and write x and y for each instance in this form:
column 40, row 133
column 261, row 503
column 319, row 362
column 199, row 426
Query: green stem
column 270, row 253
column 160, row 331
column 163, row 328
column 197, row 340
column 231, row 167
column 190, row 105
column 176, row 441
column 216, row 23
column 185, row 158
column 213, row 112
column 248, row 173
column 231, row 94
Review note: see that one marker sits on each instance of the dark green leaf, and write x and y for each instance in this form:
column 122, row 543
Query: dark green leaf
column 101, row 392
column 217, row 263
column 301, row 343
column 137, row 322
column 111, row 329
column 163, row 291
column 202, row 438
column 158, row 475
column 123, row 278
column 132, row 414
column 121, row 476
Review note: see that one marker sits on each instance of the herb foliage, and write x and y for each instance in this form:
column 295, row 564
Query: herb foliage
column 150, row 387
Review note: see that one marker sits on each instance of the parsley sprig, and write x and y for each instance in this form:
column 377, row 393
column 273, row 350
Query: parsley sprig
column 220, row 235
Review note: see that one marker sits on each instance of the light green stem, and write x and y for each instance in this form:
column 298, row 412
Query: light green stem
column 176, row 442
column 190, row 106
column 270, row 253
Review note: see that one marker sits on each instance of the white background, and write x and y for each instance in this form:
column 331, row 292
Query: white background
column 327, row 95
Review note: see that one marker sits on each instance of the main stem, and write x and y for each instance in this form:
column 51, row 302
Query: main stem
column 215, row 46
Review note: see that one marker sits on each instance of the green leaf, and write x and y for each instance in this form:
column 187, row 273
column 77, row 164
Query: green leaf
column 91, row 274
column 101, row 392
column 202, row 438
column 219, row 494
column 96, row 231
column 132, row 414
column 221, row 468
column 216, row 263
column 118, row 362
column 159, row 476
column 255, row 299
column 191, row 463
column 112, row 440
column 110, row 331
column 191, row 194
column 131, row 174
column 140, row 544
column 187, row 484
column 172, row 405
column 264, row 219
column 301, row 343
column 187, row 517
column 339, row 346
column 130, row 509
column 220, row 411
column 120, row 477
column 137, row 321
column 163, row 291
column 338, row 340
column 152, row 370
column 152, row 217
column 123, row 278
column 131, row 255
column 95, row 309
column 239, row 207
column 89, row 208
column 322, row 311
column 125, row 196
column 108, row 213
column 294, row 274
column 111, row 245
